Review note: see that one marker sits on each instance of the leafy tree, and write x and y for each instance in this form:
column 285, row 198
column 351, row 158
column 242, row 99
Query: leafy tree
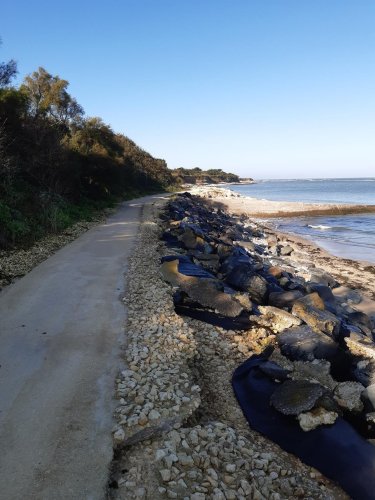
column 7, row 72
column 49, row 98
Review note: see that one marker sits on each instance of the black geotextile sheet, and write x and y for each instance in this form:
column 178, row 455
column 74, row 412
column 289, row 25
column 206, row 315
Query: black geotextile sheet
column 337, row 451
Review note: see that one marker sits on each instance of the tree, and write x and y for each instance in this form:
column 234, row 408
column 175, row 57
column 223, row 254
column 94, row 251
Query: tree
column 7, row 72
column 49, row 98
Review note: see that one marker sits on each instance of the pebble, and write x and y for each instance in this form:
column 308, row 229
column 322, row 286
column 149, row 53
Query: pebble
column 165, row 475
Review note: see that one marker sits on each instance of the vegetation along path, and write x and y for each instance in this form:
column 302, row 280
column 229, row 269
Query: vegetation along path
column 59, row 340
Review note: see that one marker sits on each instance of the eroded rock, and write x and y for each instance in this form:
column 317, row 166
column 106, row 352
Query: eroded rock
column 304, row 344
column 348, row 396
column 204, row 291
column 316, row 317
column 276, row 319
column 293, row 397
column 284, row 299
column 243, row 277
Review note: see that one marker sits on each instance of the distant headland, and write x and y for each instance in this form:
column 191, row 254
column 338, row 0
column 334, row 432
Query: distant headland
column 197, row 176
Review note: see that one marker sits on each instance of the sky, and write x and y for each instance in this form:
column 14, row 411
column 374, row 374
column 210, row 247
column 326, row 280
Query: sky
column 261, row 88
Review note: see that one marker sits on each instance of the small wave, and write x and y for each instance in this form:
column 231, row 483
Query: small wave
column 319, row 227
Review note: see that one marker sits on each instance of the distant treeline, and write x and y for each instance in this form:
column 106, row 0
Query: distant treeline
column 198, row 176
column 56, row 165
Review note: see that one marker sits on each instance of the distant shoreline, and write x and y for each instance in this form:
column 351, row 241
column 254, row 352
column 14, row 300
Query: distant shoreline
column 262, row 208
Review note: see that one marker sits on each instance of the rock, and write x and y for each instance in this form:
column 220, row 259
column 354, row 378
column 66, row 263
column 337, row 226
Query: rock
column 359, row 345
column 362, row 321
column 312, row 300
column 285, row 250
column 248, row 245
column 185, row 460
column 284, row 299
column 190, row 239
column 154, row 415
column 273, row 249
column 316, row 317
column 165, row 475
column 244, row 278
column 293, row 397
column 328, row 403
column 317, row 370
column 275, row 271
column 348, row 396
column 207, row 261
column 271, row 239
column 304, row 344
column 204, row 291
column 316, row 417
column 142, row 419
column 277, row 319
column 140, row 493
column 322, row 277
column 244, row 300
column 223, row 250
column 325, row 293
column 365, row 372
column 119, row 436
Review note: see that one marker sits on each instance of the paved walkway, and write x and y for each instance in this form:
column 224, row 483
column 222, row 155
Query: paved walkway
column 60, row 334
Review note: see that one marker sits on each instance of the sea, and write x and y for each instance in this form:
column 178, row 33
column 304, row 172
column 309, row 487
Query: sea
column 349, row 236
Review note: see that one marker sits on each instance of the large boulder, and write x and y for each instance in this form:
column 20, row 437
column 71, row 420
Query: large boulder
column 238, row 256
column 190, row 239
column 284, row 299
column 276, row 319
column 362, row 321
column 205, row 291
column 285, row 250
column 322, row 277
column 311, row 310
column 244, row 278
column 325, row 293
column 293, row 397
column 360, row 346
column 301, row 343
column 318, row 370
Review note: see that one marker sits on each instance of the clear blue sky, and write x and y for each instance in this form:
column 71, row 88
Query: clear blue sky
column 264, row 88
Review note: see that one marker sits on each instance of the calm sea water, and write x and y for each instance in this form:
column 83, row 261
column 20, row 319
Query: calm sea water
column 351, row 236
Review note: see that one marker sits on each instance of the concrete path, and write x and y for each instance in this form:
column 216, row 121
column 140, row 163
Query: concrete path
column 60, row 331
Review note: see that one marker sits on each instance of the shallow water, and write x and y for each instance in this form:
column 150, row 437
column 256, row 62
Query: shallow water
column 349, row 236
